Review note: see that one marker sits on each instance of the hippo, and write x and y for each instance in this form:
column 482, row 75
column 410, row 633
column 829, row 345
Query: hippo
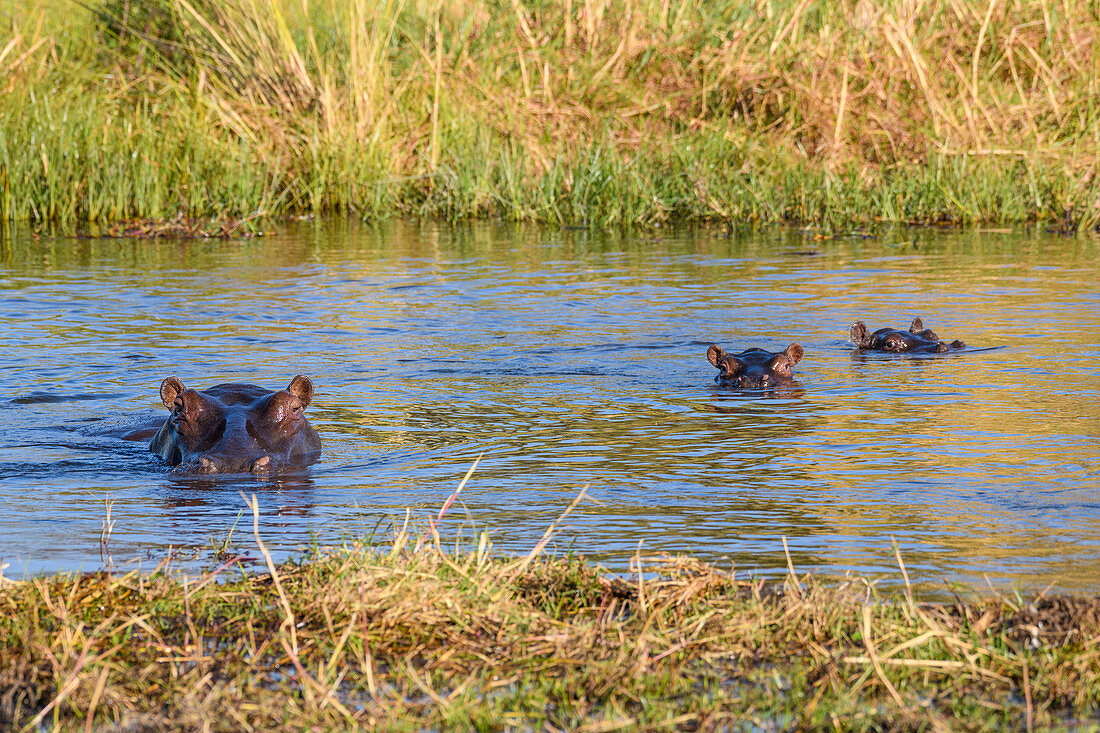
column 236, row 428
column 755, row 368
column 917, row 340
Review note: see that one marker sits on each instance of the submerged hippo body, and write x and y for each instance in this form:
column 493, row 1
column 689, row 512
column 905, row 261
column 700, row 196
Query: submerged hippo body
column 917, row 340
column 755, row 368
column 236, row 428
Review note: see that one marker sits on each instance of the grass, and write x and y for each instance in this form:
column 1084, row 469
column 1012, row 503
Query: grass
column 409, row 635
column 580, row 112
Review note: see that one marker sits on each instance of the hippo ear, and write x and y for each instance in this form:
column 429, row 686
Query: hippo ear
column 715, row 355
column 858, row 334
column 794, row 353
column 916, row 326
column 169, row 388
column 302, row 388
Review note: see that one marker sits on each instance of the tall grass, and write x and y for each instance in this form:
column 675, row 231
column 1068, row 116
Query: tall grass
column 566, row 111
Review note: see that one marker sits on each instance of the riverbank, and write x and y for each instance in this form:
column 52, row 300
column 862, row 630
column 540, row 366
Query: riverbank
column 408, row 635
column 573, row 112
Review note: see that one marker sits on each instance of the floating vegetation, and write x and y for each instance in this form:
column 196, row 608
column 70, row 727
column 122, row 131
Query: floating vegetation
column 182, row 227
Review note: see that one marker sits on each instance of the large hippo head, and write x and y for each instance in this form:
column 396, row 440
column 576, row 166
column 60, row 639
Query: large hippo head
column 917, row 339
column 755, row 368
column 234, row 428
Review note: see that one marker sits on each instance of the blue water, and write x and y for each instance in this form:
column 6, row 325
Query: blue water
column 568, row 359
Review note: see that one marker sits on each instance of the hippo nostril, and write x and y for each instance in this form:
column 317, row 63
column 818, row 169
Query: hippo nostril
column 260, row 464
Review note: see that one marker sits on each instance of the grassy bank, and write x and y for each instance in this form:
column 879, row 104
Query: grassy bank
column 564, row 111
column 411, row 636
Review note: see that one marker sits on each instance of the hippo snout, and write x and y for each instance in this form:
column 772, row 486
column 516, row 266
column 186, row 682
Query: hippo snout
column 753, row 381
column 223, row 464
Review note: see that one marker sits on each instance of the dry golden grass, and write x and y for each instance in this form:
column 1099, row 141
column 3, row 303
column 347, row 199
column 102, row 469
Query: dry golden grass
column 409, row 635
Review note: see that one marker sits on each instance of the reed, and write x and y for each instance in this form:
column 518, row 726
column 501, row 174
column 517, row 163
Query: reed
column 564, row 111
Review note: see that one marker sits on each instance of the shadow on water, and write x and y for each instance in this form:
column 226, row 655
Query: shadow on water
column 39, row 398
column 287, row 493
column 565, row 359
column 791, row 391
column 867, row 355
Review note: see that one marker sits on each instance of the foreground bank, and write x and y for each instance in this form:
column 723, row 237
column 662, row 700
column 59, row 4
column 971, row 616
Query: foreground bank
column 569, row 112
column 412, row 636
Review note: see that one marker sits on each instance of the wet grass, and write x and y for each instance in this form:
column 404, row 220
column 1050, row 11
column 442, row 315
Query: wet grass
column 579, row 112
column 410, row 635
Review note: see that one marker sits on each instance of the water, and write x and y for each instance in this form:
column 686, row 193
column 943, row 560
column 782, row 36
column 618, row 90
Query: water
column 565, row 359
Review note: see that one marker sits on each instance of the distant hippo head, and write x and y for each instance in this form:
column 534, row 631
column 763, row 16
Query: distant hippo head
column 755, row 368
column 917, row 339
column 234, row 428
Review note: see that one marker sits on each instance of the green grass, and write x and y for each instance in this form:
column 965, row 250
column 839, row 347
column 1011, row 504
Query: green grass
column 408, row 635
column 582, row 112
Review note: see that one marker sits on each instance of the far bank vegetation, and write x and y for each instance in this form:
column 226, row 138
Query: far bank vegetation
column 597, row 112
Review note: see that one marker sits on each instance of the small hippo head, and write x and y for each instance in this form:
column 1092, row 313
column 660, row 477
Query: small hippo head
column 755, row 368
column 917, row 339
column 236, row 428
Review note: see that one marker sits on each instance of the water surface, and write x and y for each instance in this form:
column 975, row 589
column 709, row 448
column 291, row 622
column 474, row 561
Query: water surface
column 565, row 359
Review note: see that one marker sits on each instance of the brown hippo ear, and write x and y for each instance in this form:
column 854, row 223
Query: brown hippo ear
column 715, row 355
column 169, row 388
column 794, row 353
column 916, row 326
column 302, row 388
column 858, row 334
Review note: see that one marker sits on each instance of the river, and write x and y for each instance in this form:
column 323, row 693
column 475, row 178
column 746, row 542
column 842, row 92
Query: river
column 566, row 359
